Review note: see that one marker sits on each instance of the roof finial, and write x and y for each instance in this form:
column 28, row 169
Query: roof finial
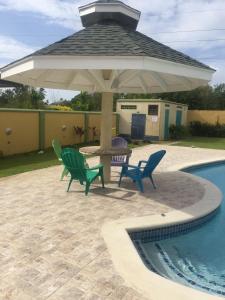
column 109, row 10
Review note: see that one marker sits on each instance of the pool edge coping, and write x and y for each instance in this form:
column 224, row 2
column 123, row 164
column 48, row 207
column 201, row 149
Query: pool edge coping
column 129, row 264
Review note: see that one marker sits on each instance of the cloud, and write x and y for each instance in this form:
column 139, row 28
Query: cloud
column 12, row 49
column 157, row 16
column 179, row 19
column 62, row 12
column 56, row 95
column 184, row 24
column 173, row 21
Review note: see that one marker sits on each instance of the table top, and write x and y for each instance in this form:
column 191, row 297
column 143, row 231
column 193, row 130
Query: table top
column 96, row 150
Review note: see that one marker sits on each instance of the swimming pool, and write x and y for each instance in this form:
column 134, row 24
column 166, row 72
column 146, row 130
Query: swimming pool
column 195, row 259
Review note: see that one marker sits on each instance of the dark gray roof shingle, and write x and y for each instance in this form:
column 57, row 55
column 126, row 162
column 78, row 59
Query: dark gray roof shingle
column 115, row 40
column 8, row 84
column 112, row 39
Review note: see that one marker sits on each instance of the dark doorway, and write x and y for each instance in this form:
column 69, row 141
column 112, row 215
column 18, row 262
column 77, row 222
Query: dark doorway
column 138, row 126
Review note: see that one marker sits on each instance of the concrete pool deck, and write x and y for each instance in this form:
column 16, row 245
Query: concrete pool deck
column 51, row 243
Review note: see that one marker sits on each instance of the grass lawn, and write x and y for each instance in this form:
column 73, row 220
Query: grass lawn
column 203, row 142
column 26, row 162
column 21, row 163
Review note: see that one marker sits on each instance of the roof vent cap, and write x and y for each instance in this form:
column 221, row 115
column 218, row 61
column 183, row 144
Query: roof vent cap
column 109, row 10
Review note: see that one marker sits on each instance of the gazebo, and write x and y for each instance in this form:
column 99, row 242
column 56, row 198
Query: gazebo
column 109, row 56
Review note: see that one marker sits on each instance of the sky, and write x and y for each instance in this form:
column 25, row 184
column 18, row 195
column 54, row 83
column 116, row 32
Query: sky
column 195, row 27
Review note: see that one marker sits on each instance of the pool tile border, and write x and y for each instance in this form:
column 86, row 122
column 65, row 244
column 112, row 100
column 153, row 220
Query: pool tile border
column 157, row 234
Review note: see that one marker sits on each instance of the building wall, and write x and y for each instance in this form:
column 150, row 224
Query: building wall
column 206, row 116
column 173, row 108
column 24, row 136
column 153, row 129
column 184, row 118
column 33, row 130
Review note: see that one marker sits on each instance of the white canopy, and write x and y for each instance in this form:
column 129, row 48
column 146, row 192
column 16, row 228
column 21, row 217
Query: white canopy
column 106, row 73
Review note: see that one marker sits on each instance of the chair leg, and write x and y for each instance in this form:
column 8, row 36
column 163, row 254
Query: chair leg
column 64, row 173
column 87, row 188
column 71, row 179
column 152, row 181
column 121, row 175
column 140, row 185
column 102, row 180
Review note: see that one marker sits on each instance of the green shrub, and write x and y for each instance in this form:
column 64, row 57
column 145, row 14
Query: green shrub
column 178, row 132
column 208, row 130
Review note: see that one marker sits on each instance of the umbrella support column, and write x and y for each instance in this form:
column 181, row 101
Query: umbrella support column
column 106, row 132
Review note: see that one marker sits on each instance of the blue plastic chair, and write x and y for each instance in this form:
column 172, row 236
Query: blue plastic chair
column 137, row 173
column 119, row 160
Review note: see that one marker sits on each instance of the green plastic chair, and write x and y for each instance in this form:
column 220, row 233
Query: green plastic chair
column 75, row 163
column 58, row 151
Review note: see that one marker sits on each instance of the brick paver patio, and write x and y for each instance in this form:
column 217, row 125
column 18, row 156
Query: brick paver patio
column 50, row 241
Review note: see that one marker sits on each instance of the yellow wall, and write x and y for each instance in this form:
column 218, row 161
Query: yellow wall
column 206, row 116
column 25, row 132
column 54, row 123
column 94, row 120
column 25, row 127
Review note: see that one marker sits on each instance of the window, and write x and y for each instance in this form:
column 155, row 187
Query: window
column 128, row 106
column 153, row 110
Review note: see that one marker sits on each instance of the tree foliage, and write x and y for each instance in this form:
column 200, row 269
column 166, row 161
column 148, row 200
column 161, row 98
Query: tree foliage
column 86, row 102
column 91, row 102
column 203, row 98
column 22, row 97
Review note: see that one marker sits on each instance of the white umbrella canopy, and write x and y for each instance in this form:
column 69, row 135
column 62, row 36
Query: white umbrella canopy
column 109, row 56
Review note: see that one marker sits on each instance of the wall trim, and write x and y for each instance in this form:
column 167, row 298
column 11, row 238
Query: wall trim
column 41, row 130
column 51, row 111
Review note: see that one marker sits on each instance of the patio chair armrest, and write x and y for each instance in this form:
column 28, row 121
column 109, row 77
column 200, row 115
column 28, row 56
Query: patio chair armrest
column 130, row 166
column 100, row 166
column 142, row 162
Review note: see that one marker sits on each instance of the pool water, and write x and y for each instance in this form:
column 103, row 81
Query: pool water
column 196, row 259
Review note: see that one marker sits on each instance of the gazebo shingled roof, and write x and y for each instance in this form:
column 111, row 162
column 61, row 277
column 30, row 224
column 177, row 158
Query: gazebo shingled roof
column 108, row 37
column 120, row 41
column 8, row 84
